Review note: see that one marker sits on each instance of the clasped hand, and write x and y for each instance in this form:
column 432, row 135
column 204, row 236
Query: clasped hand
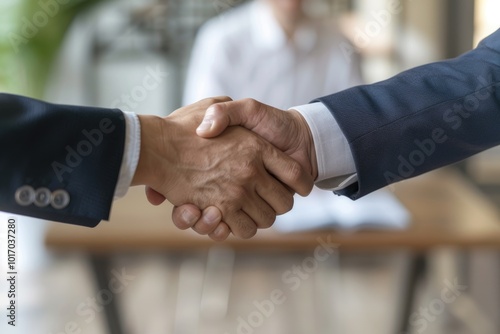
column 226, row 180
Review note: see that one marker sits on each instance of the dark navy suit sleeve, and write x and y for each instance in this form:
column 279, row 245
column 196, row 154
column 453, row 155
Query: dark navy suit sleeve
column 421, row 119
column 59, row 162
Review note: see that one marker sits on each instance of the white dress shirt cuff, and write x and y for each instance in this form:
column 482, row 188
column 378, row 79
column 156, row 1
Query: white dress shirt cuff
column 336, row 169
column 131, row 153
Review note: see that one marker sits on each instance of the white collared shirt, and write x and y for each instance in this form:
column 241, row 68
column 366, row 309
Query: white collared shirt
column 245, row 53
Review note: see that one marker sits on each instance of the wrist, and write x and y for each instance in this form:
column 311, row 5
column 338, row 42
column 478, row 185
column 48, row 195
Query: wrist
column 307, row 137
column 306, row 140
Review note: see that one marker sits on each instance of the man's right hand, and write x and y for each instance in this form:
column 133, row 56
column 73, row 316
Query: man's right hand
column 286, row 130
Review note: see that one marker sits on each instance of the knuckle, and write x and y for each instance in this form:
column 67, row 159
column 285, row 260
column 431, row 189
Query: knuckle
column 255, row 145
column 248, row 232
column 286, row 204
column 255, row 148
column 250, row 173
column 289, row 204
column 252, row 103
column 238, row 196
column 248, row 100
column 268, row 218
column 209, row 100
column 245, row 229
column 223, row 98
column 246, row 171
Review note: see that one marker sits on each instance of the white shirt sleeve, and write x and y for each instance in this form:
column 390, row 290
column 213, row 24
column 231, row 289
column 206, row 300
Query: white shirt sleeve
column 131, row 153
column 336, row 169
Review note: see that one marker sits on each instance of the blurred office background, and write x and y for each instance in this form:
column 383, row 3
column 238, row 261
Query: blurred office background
column 95, row 52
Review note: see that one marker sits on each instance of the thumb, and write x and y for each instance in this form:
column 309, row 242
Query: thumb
column 247, row 113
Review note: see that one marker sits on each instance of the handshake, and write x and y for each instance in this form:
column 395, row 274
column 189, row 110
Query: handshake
column 227, row 166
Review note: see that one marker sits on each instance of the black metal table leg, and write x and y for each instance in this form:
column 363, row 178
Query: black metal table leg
column 102, row 271
column 418, row 264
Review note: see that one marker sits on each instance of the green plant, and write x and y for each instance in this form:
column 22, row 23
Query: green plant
column 32, row 35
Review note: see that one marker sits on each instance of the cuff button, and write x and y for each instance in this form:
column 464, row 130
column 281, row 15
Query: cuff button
column 42, row 197
column 60, row 199
column 25, row 195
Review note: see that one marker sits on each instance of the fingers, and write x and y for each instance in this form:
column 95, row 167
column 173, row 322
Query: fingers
column 277, row 195
column 260, row 211
column 240, row 224
column 206, row 222
column 210, row 218
column 256, row 213
column 221, row 232
column 247, row 113
column 288, row 171
column 186, row 216
column 190, row 216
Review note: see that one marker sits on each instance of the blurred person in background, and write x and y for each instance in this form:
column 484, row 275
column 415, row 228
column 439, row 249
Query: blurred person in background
column 272, row 51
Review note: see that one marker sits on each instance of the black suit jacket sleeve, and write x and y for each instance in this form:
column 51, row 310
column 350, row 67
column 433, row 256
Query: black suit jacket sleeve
column 421, row 119
column 59, row 149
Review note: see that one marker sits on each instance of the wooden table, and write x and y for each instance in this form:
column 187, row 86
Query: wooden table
column 445, row 208
column 446, row 211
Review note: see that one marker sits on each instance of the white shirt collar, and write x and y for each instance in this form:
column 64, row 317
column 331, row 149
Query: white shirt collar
column 267, row 33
